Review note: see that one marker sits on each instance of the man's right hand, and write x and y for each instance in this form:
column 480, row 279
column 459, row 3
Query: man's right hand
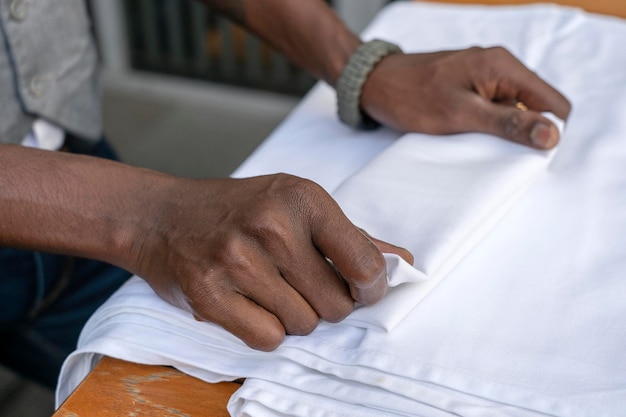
column 252, row 255
column 248, row 254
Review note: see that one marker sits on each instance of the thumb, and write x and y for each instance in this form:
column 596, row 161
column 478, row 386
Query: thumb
column 526, row 127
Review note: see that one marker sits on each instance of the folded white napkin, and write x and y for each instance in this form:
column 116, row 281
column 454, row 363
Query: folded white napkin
column 438, row 197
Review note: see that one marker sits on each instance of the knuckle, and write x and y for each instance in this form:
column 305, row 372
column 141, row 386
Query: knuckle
column 290, row 182
column 233, row 255
column 270, row 227
column 498, row 52
column 304, row 326
column 208, row 301
column 268, row 340
column 492, row 58
column 368, row 266
column 340, row 311
column 476, row 50
column 304, row 193
column 297, row 186
column 292, row 200
column 476, row 54
column 502, row 61
column 310, row 203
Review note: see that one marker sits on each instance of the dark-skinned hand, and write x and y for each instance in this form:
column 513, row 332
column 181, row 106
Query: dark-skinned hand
column 251, row 255
column 472, row 90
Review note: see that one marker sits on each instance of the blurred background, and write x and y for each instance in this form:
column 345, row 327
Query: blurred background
column 188, row 92
column 184, row 92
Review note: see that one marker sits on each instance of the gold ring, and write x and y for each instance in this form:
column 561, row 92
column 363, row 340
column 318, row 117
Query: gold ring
column 521, row 106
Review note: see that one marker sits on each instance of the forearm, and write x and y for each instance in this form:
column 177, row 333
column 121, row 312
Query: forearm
column 72, row 204
column 308, row 32
column 223, row 249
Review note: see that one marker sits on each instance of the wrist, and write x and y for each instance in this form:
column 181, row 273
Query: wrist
column 140, row 219
column 350, row 84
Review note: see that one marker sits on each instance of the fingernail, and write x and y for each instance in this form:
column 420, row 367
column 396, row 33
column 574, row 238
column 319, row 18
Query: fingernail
column 543, row 135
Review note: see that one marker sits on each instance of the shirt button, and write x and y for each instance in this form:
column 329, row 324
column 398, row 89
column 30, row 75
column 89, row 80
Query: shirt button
column 37, row 87
column 19, row 9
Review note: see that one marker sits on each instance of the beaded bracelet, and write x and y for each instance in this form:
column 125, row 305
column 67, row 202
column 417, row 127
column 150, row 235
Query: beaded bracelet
column 350, row 82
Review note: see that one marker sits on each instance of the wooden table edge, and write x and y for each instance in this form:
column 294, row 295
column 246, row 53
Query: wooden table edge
column 116, row 387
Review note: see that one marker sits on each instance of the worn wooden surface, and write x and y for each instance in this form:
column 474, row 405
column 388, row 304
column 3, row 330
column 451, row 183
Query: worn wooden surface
column 118, row 388
column 612, row 7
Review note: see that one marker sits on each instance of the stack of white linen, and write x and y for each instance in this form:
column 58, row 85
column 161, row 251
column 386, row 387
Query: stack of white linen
column 437, row 197
column 531, row 322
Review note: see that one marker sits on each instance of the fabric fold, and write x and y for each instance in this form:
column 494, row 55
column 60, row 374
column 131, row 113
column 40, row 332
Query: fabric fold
column 437, row 197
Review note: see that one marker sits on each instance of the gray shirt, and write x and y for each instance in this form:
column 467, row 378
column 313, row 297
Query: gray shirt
column 48, row 68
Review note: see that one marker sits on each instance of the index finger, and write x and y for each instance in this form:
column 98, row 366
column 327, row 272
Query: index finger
column 517, row 82
column 540, row 96
column 355, row 256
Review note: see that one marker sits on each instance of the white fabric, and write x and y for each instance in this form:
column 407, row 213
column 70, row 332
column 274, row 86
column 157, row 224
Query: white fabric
column 437, row 197
column 44, row 135
column 531, row 322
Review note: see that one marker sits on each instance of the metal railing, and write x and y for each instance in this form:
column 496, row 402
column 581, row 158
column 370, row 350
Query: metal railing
column 185, row 38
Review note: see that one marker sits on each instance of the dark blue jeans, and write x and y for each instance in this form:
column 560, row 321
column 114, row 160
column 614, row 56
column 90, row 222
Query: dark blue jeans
column 46, row 299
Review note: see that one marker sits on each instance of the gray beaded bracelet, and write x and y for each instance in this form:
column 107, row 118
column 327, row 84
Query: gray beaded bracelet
column 350, row 82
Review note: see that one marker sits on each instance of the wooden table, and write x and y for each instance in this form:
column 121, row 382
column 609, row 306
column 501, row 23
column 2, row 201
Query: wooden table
column 118, row 388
